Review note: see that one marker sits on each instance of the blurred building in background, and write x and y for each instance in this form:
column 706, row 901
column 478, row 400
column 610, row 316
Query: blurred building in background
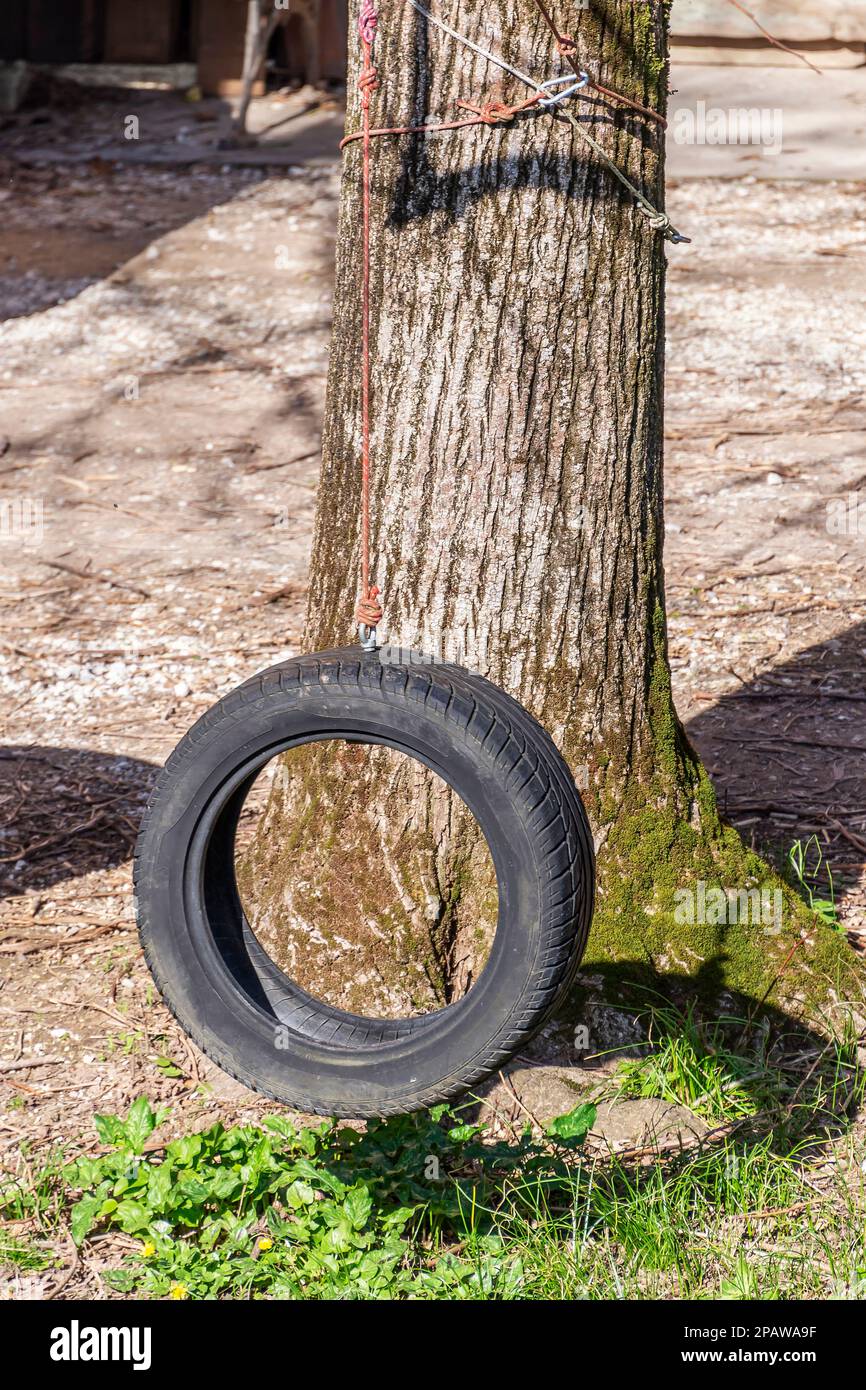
column 310, row 43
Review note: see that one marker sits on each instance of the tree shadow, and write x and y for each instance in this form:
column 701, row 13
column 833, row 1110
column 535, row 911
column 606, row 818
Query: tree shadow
column 420, row 190
column 752, row 1073
column 787, row 755
column 65, row 812
column 178, row 157
column 783, row 1096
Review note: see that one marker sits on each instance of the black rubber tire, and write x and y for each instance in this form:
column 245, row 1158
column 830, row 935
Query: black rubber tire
column 231, row 997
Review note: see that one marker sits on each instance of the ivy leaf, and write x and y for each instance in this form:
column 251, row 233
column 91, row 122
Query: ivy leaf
column 357, row 1205
column 575, row 1125
column 110, row 1129
column 140, row 1124
column 84, row 1217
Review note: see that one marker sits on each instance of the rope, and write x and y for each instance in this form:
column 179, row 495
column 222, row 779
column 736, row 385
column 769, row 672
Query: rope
column 568, row 48
column 368, row 611
column 486, row 113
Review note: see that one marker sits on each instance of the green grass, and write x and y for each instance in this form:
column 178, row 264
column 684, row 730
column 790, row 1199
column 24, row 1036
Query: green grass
column 431, row 1207
column 806, row 861
column 693, row 1063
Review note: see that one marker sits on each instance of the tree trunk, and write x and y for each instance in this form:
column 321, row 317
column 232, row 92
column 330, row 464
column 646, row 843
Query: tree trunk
column 262, row 20
column 517, row 521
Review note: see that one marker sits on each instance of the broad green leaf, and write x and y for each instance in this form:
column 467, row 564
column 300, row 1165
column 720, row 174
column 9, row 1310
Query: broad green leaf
column 110, row 1129
column 225, row 1183
column 281, row 1126
column 140, row 1124
column 159, row 1185
column 300, row 1194
column 576, row 1124
column 84, row 1216
column 319, row 1177
column 185, row 1151
column 460, row 1133
column 192, row 1188
column 132, row 1216
column 358, row 1205
column 168, row 1067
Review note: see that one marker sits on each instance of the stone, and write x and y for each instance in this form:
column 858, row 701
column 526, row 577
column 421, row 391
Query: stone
column 545, row 1091
column 645, row 1123
column 549, row 1091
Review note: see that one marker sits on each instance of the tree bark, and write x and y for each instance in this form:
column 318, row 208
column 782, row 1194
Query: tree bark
column 517, row 514
column 262, row 20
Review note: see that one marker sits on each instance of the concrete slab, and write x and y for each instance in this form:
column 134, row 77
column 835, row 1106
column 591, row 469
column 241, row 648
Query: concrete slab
column 805, row 20
column 798, row 125
column 762, row 55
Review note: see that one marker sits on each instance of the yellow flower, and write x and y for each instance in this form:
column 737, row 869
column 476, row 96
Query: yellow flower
column 266, row 1244
column 177, row 1291
column 148, row 1250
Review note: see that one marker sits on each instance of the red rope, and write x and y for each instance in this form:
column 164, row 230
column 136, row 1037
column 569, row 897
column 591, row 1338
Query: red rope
column 486, row 113
column 568, row 48
column 368, row 610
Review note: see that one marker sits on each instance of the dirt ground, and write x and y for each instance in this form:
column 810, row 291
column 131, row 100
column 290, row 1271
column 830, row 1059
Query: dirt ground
column 162, row 370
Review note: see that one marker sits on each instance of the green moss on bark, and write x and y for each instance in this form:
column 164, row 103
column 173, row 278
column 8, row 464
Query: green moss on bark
column 368, row 882
column 665, row 840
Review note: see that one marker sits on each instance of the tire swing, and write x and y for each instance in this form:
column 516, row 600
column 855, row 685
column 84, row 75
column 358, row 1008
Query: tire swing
column 217, row 979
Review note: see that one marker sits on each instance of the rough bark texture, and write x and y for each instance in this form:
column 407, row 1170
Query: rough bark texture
column 518, row 341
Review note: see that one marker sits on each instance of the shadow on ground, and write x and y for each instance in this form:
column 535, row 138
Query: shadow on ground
column 674, row 1073
column 787, row 754
column 66, row 812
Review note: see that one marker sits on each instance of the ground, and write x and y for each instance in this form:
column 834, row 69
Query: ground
column 161, row 382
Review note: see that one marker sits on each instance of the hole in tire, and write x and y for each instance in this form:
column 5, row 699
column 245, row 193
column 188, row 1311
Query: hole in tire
column 366, row 879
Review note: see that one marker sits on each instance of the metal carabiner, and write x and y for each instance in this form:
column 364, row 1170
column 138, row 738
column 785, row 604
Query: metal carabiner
column 557, row 97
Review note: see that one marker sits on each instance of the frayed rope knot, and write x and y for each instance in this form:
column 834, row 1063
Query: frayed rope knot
column 368, row 19
column 369, row 611
column 494, row 112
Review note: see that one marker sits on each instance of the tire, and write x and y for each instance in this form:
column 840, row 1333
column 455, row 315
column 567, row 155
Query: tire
column 228, row 994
